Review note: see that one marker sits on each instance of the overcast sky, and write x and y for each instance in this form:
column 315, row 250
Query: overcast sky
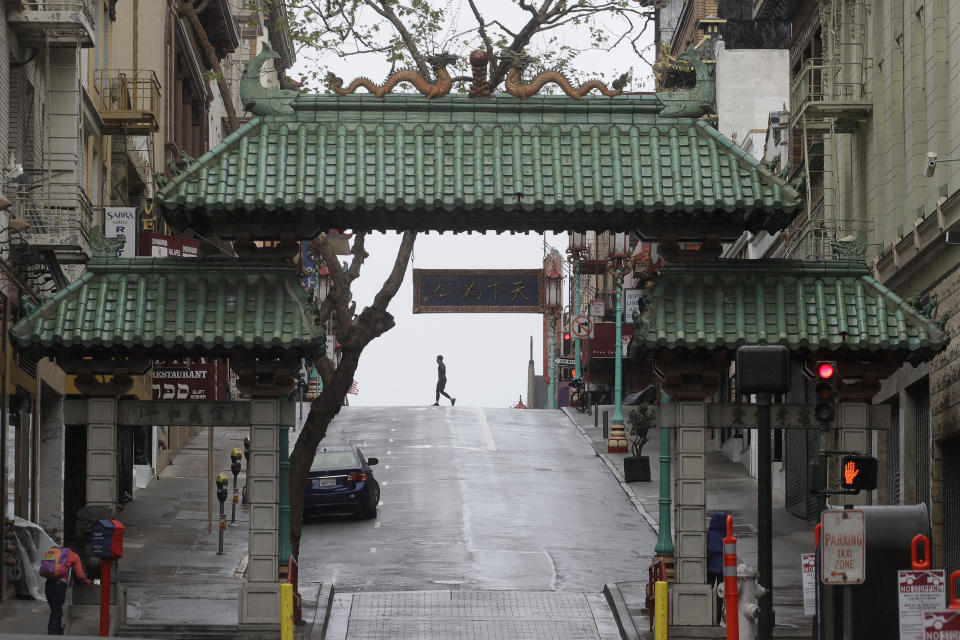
column 486, row 353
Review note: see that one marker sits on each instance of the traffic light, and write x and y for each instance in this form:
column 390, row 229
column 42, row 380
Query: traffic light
column 858, row 473
column 825, row 408
column 567, row 344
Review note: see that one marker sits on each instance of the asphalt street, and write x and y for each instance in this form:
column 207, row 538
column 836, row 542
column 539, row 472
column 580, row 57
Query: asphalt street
column 478, row 499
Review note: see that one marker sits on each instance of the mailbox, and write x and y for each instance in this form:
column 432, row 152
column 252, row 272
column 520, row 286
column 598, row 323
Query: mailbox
column 106, row 539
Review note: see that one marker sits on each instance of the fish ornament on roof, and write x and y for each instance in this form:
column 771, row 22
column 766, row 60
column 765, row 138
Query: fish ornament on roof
column 104, row 247
column 261, row 100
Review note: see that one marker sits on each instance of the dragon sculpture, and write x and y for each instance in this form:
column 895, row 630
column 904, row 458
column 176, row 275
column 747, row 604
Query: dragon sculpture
column 261, row 100
column 695, row 102
column 519, row 62
column 441, row 87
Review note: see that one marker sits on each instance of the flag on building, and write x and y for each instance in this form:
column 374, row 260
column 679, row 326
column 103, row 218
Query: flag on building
column 353, row 388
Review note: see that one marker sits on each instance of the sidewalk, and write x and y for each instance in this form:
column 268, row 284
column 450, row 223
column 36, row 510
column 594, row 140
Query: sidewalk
column 171, row 570
column 729, row 489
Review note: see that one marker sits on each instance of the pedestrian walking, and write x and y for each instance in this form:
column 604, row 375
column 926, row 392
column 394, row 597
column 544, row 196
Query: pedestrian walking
column 442, row 383
column 716, row 532
column 58, row 566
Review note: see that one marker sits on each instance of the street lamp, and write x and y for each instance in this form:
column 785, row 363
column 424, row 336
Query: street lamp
column 552, row 304
column 618, row 265
column 575, row 251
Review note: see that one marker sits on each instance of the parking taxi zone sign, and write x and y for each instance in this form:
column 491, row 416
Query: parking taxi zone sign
column 843, row 559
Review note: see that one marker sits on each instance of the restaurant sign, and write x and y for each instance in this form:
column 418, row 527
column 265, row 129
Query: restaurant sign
column 478, row 291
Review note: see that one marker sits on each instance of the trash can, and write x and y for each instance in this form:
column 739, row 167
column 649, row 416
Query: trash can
column 871, row 610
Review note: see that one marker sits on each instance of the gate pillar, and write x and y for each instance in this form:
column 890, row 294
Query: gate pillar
column 853, row 435
column 691, row 599
column 260, row 595
column 101, row 480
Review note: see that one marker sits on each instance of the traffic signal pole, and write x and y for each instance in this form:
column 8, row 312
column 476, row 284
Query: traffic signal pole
column 765, row 517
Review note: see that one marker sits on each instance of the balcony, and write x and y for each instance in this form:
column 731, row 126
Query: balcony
column 128, row 102
column 59, row 23
column 824, row 96
column 772, row 9
column 819, row 239
column 60, row 221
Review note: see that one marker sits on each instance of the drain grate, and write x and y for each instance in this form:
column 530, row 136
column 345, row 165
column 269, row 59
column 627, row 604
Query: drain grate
column 242, row 516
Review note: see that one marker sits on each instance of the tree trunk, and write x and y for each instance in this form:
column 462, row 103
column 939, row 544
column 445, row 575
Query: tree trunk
column 188, row 11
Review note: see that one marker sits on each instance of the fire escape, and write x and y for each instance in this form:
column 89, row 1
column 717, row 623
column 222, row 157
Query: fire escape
column 827, row 103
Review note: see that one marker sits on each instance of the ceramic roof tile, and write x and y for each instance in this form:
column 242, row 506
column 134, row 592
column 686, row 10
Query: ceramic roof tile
column 494, row 156
column 170, row 306
column 829, row 305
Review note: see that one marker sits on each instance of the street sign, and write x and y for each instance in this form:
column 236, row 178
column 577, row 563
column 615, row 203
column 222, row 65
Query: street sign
column 581, row 327
column 808, row 566
column 843, row 559
column 919, row 591
column 941, row 625
column 564, row 361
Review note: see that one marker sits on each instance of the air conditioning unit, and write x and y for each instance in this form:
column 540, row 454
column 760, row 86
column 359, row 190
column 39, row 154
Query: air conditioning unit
column 952, row 237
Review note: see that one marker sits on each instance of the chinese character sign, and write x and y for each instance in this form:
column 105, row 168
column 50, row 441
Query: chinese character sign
column 478, row 291
column 122, row 221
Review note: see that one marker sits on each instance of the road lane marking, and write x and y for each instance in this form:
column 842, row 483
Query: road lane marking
column 485, row 430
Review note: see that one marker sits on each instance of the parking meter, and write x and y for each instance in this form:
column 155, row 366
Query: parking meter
column 235, row 468
column 106, row 543
column 222, row 481
column 246, row 456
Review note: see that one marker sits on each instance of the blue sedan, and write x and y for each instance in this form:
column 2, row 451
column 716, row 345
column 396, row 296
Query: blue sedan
column 340, row 480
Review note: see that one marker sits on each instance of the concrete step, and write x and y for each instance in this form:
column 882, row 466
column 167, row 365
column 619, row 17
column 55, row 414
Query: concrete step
column 159, row 631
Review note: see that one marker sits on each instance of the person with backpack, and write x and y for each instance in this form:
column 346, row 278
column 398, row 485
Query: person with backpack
column 59, row 565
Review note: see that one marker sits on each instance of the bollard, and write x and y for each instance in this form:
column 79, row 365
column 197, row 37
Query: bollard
column 954, row 599
column 235, row 456
column 246, row 456
column 661, row 619
column 222, row 497
column 915, row 563
column 596, row 417
column 606, row 426
column 286, row 611
column 730, row 594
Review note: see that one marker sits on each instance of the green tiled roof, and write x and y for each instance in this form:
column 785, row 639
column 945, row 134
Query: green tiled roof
column 815, row 306
column 167, row 306
column 458, row 163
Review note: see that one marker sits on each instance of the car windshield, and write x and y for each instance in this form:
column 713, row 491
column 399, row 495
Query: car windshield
column 333, row 460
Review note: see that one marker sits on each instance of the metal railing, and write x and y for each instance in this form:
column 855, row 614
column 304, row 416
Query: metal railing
column 818, row 82
column 820, row 239
column 133, row 98
column 85, row 7
column 61, row 217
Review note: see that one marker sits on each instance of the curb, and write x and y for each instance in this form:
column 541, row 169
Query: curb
column 627, row 489
column 621, row 613
column 324, row 599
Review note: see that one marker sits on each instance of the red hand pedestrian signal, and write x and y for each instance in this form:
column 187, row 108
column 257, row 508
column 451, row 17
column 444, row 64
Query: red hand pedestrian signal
column 850, row 471
column 858, row 472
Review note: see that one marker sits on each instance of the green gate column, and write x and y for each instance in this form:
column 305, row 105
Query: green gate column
column 664, row 546
column 552, row 402
column 576, row 312
column 283, row 544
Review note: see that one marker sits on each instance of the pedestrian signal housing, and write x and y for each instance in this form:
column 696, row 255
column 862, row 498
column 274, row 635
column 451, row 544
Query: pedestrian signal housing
column 825, row 408
column 858, row 473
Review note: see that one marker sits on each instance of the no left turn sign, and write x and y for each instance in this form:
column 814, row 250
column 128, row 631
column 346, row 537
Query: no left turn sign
column 581, row 327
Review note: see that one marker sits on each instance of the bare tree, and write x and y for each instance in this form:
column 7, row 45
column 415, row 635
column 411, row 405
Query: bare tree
column 406, row 32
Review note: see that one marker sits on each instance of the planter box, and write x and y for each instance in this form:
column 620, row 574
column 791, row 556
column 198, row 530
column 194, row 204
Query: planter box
column 636, row 469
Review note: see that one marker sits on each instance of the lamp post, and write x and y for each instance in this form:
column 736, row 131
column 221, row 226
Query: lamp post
column 618, row 266
column 578, row 244
column 552, row 296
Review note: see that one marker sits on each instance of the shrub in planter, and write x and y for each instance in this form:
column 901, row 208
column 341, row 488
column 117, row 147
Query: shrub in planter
column 636, row 467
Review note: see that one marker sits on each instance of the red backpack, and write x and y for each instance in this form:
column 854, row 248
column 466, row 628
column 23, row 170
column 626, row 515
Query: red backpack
column 54, row 564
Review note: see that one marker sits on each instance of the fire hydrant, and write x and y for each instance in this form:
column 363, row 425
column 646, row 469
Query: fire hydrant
column 750, row 592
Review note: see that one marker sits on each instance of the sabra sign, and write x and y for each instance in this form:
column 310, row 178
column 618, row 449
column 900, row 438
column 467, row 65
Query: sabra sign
column 189, row 380
column 478, row 290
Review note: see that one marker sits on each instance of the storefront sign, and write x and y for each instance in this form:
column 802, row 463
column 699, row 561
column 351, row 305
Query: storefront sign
column 478, row 291
column 189, row 379
column 160, row 246
column 597, row 307
column 631, row 303
column 122, row 221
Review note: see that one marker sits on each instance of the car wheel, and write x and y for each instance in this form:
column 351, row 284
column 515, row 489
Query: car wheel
column 370, row 511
